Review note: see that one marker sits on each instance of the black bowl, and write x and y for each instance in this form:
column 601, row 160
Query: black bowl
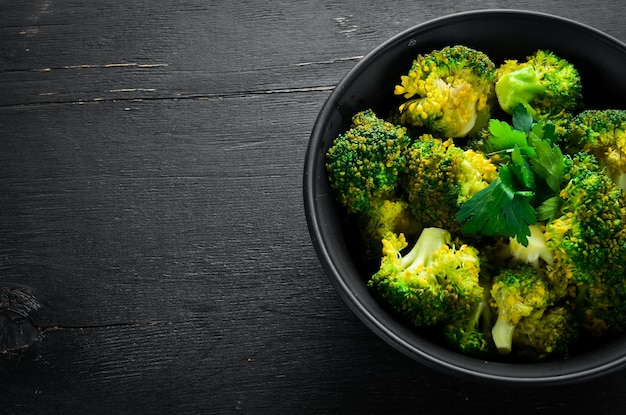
column 502, row 34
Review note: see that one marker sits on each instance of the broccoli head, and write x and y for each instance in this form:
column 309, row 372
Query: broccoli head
column 546, row 334
column 364, row 163
column 470, row 333
column 588, row 241
column 440, row 176
column 448, row 90
column 603, row 134
column 548, row 86
column 381, row 218
column 432, row 283
column 517, row 292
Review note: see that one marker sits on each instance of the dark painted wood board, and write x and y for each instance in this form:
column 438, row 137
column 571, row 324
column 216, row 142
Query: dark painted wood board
column 151, row 160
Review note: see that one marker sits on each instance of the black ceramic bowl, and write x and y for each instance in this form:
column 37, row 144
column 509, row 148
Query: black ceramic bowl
column 502, row 34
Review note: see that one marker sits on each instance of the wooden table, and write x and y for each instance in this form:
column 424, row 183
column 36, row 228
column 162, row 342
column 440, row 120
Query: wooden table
column 154, row 255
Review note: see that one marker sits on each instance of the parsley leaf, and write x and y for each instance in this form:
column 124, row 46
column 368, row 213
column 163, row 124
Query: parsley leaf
column 521, row 169
column 543, row 131
column 548, row 163
column 522, row 119
column 549, row 209
column 480, row 213
column 528, row 182
column 499, row 210
column 504, row 137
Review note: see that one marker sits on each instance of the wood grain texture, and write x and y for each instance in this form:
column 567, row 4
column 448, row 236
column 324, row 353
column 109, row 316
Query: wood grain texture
column 151, row 160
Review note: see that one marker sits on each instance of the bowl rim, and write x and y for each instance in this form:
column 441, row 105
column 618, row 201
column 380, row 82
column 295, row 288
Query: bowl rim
column 452, row 362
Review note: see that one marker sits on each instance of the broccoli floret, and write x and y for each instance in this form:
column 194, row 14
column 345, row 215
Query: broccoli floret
column 440, row 176
column 520, row 239
column 546, row 334
column 434, row 282
column 470, row 334
column 547, row 85
column 364, row 163
column 589, row 245
column 603, row 134
column 448, row 90
column 516, row 293
column 383, row 217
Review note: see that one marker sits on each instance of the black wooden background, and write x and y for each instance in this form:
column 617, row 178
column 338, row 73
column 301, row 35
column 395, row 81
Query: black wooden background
column 151, row 215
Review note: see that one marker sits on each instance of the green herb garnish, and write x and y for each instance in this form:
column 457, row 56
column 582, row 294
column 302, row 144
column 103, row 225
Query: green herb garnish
column 528, row 182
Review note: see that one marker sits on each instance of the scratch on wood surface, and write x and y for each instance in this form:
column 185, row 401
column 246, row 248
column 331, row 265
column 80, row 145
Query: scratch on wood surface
column 345, row 25
column 244, row 145
column 138, row 65
column 255, row 92
column 178, row 97
column 151, row 94
column 133, row 90
column 107, row 66
column 101, row 326
column 292, row 90
column 330, row 61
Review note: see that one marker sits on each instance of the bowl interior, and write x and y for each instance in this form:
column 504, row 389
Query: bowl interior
column 501, row 34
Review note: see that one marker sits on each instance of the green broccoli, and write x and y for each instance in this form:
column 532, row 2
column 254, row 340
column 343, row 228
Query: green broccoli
column 588, row 241
column 383, row 217
column 603, row 134
column 448, row 90
column 548, row 86
column 364, row 165
column 546, row 334
column 509, row 243
column 434, row 282
column 517, row 292
column 440, row 176
column 470, row 333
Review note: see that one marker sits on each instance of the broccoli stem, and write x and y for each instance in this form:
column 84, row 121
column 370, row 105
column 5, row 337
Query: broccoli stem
column 430, row 240
column 620, row 179
column 479, row 317
column 534, row 251
column 502, row 333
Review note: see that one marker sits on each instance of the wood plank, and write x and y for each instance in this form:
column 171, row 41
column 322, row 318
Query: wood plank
column 136, row 53
column 149, row 200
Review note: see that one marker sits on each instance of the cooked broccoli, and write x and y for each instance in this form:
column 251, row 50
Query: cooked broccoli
column 603, row 134
column 440, row 176
column 364, row 165
column 546, row 334
column 516, row 293
column 432, row 283
column 383, row 217
column 518, row 220
column 547, row 85
column 589, row 245
column 448, row 90
column 471, row 333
